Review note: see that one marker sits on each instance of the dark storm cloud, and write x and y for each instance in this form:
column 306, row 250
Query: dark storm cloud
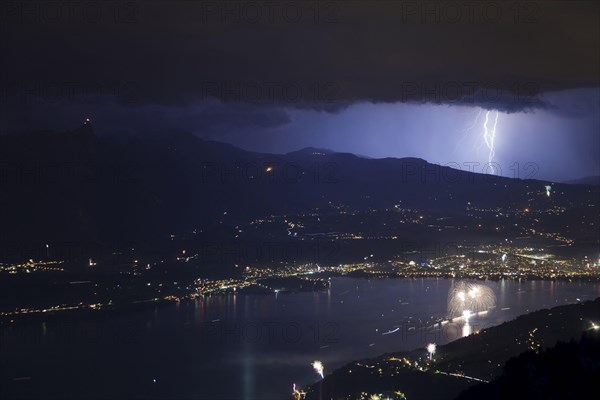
column 204, row 118
column 219, row 117
column 574, row 103
column 323, row 55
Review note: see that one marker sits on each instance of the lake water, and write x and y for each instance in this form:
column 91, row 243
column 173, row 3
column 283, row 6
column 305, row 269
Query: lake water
column 246, row 346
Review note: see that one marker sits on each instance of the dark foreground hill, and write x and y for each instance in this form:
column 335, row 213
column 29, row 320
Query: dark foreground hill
column 569, row 370
column 465, row 362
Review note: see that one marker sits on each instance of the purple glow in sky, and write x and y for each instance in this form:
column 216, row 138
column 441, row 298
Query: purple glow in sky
column 563, row 141
column 379, row 79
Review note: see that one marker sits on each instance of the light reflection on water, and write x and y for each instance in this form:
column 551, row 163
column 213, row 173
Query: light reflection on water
column 249, row 346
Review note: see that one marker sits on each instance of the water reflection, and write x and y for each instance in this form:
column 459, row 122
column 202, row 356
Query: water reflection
column 219, row 354
column 466, row 329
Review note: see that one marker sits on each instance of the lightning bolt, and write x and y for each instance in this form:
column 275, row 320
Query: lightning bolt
column 468, row 129
column 489, row 136
column 489, row 133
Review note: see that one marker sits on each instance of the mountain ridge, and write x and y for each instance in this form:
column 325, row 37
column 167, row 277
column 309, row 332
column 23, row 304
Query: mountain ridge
column 81, row 186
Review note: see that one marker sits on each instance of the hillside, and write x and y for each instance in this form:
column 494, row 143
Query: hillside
column 106, row 192
column 462, row 363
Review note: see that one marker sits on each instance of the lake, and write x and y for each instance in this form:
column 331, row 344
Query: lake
column 244, row 345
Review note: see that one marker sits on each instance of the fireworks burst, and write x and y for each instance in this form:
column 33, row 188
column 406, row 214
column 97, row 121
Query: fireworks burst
column 472, row 297
column 318, row 367
column 431, row 347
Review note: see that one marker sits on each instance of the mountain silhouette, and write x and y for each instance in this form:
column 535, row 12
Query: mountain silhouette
column 80, row 186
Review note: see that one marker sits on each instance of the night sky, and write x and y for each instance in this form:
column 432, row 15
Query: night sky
column 379, row 79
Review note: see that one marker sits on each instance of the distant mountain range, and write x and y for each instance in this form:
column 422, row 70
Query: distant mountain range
column 588, row 180
column 82, row 187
